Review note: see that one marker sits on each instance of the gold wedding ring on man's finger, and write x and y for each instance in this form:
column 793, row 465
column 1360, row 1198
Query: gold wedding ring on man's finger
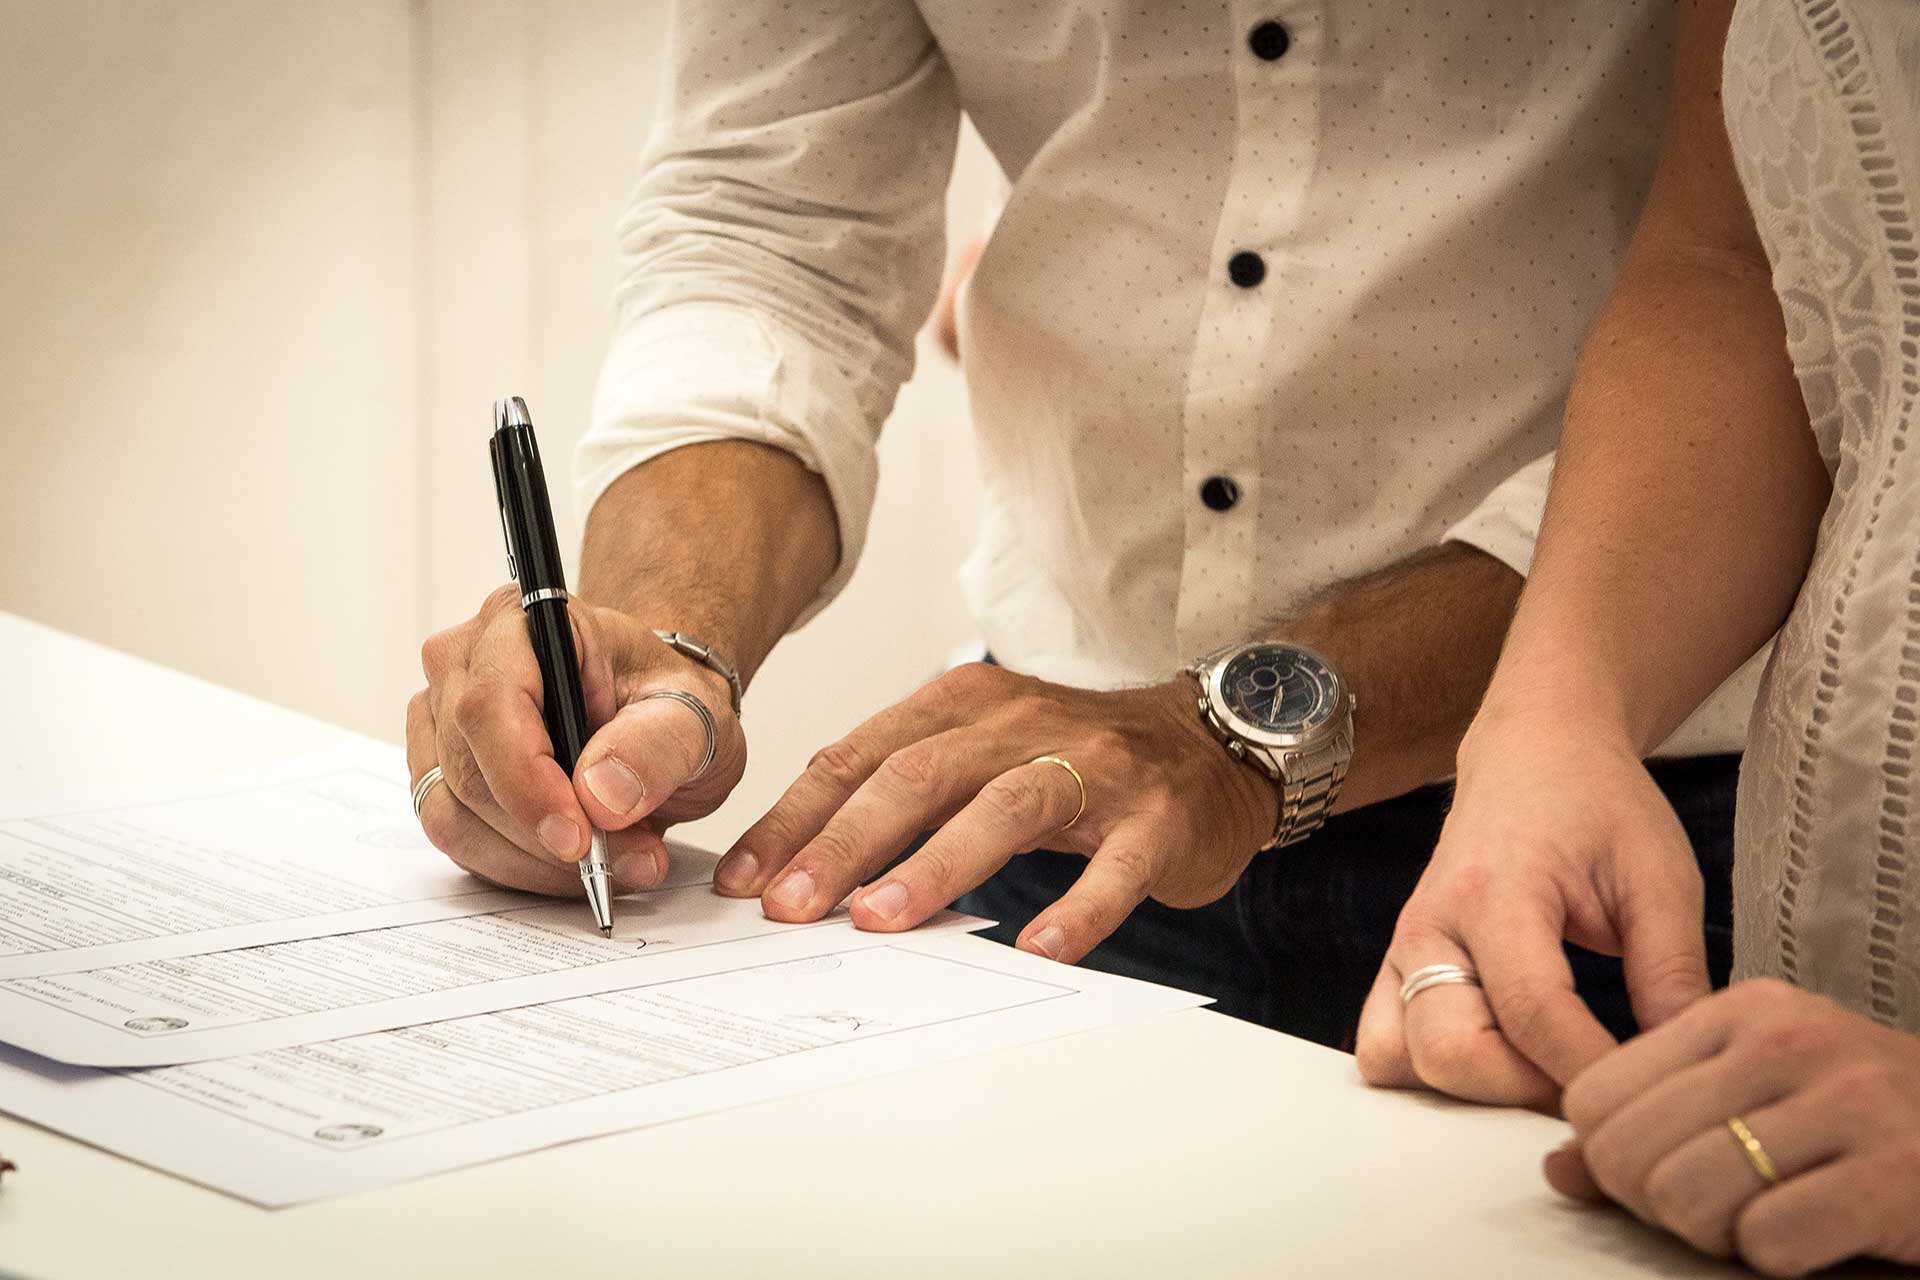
column 1078, row 781
column 1436, row 975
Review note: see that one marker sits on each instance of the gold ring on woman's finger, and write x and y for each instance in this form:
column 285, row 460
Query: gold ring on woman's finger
column 1756, row 1154
column 428, row 781
column 1078, row 781
column 1436, row 975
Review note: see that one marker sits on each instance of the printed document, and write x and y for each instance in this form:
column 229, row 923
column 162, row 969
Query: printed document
column 298, row 1124
column 159, row 1012
column 320, row 846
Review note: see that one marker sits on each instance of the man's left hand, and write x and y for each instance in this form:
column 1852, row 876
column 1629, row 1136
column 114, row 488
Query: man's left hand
column 1168, row 813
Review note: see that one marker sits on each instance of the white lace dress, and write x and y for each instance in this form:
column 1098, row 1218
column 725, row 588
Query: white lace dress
column 1823, row 109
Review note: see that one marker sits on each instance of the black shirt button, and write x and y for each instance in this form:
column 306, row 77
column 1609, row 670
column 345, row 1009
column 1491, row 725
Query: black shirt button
column 1246, row 269
column 1219, row 493
column 1269, row 40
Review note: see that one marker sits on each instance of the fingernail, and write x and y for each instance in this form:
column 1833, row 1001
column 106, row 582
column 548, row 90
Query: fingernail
column 1048, row 941
column 559, row 835
column 888, row 900
column 641, row 869
column 615, row 786
column 736, row 871
column 793, row 891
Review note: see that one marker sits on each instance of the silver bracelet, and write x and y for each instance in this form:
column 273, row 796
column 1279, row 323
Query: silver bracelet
column 704, row 654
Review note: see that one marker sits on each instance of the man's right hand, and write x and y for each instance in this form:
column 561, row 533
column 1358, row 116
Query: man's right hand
column 508, row 813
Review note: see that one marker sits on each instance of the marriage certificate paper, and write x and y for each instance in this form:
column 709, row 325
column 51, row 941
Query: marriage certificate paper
column 323, row 845
column 317, row 1120
column 163, row 1012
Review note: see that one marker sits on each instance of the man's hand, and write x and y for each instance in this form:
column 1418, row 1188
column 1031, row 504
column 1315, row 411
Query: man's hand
column 509, row 813
column 1832, row 1097
column 1555, row 835
column 1169, row 814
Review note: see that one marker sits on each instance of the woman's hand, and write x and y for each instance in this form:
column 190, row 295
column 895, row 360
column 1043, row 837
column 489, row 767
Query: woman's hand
column 1557, row 834
column 1832, row 1097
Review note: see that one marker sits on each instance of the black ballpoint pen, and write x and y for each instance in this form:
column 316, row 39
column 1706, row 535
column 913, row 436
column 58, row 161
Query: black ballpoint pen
column 533, row 560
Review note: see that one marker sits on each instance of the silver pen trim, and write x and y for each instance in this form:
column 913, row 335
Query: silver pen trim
column 599, row 885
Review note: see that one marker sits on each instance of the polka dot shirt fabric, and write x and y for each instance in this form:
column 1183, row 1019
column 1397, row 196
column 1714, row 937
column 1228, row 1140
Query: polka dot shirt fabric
column 1332, row 261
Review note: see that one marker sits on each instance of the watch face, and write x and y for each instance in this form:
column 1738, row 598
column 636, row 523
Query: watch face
column 1280, row 689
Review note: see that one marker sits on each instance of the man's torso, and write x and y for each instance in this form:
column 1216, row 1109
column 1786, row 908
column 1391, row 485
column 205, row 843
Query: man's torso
column 1437, row 197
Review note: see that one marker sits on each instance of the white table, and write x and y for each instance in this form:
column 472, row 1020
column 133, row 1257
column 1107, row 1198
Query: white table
column 1188, row 1145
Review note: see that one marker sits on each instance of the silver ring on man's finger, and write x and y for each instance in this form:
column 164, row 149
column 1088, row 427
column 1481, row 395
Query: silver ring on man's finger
column 698, row 708
column 1436, row 975
column 428, row 781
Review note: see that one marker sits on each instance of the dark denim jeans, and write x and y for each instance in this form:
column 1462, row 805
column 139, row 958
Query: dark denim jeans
column 1296, row 944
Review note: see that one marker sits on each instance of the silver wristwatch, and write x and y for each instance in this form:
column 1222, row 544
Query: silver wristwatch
column 1283, row 709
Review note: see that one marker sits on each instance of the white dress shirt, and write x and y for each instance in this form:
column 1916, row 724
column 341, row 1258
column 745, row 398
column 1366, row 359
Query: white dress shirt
column 1283, row 292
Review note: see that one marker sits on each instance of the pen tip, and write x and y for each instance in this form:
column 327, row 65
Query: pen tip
column 606, row 931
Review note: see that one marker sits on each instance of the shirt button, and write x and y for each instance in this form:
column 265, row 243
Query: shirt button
column 1219, row 493
column 1269, row 40
column 1246, row 269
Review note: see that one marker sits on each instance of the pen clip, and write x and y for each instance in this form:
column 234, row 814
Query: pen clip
column 500, row 500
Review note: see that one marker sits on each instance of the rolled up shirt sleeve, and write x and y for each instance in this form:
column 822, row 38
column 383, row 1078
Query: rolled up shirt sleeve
column 1507, row 521
column 784, row 245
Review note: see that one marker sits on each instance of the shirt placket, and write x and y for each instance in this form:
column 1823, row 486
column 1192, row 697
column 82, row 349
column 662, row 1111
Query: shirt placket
column 1273, row 57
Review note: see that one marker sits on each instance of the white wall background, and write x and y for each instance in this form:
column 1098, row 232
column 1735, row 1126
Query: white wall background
column 265, row 268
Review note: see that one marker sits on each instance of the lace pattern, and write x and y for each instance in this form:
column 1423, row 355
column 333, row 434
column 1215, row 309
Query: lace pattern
column 1824, row 886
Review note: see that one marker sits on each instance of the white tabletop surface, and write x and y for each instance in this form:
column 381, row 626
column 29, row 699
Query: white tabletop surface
column 1190, row 1144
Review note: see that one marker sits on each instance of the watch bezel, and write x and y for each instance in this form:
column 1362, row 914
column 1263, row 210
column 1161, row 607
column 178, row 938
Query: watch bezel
column 1250, row 732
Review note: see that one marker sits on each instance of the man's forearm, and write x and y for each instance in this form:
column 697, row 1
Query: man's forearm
column 727, row 541
column 1416, row 643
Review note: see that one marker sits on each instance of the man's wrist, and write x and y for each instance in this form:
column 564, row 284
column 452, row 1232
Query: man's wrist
column 709, row 659
column 1188, row 690
column 709, row 678
column 726, row 540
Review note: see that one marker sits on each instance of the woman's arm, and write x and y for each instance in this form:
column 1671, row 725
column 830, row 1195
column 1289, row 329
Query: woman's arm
column 1688, row 490
column 1679, row 525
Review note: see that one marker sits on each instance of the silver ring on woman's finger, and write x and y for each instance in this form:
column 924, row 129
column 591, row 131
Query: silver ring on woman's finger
column 428, row 781
column 698, row 708
column 1436, row 975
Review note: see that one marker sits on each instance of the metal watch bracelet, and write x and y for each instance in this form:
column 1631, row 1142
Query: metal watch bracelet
column 707, row 656
column 1306, row 797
